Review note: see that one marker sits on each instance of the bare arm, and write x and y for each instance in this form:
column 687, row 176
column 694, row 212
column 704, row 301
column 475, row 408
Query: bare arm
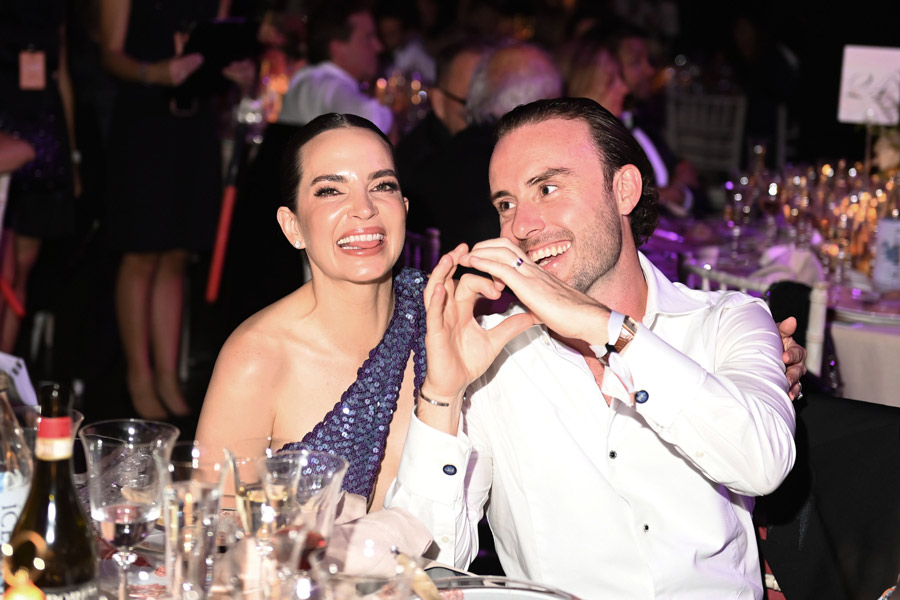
column 13, row 153
column 68, row 101
column 114, row 29
column 239, row 402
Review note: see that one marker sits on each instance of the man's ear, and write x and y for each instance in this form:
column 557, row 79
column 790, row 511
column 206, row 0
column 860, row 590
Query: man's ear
column 628, row 185
column 290, row 227
column 438, row 104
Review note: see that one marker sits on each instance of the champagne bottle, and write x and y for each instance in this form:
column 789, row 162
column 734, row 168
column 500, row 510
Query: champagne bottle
column 53, row 511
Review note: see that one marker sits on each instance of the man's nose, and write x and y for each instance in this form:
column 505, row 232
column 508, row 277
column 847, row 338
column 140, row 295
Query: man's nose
column 527, row 221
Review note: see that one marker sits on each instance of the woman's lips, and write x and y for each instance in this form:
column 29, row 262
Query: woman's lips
column 362, row 241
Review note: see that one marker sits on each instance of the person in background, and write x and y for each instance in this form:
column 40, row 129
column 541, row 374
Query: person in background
column 343, row 52
column 595, row 67
column 417, row 149
column 404, row 51
column 36, row 106
column 164, row 184
column 504, row 78
column 613, row 418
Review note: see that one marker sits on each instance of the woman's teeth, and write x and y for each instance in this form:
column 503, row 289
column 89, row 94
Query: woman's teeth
column 549, row 252
column 345, row 242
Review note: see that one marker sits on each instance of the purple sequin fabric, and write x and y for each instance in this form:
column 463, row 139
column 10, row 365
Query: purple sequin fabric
column 357, row 427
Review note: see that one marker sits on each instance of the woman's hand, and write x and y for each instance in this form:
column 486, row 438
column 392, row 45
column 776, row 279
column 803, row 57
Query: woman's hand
column 174, row 71
column 459, row 349
column 243, row 73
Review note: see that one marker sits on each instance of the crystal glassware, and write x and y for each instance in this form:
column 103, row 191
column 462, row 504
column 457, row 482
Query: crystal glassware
column 194, row 476
column 125, row 485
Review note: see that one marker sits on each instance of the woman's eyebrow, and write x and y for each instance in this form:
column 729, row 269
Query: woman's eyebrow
column 330, row 177
column 383, row 173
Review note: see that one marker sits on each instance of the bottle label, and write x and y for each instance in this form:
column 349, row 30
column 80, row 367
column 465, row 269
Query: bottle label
column 11, row 502
column 54, row 440
column 83, row 591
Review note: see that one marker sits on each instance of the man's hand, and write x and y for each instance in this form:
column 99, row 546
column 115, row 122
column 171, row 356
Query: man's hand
column 565, row 310
column 459, row 349
column 794, row 357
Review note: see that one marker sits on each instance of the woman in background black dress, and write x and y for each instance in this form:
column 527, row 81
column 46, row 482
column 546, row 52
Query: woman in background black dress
column 35, row 107
column 164, row 187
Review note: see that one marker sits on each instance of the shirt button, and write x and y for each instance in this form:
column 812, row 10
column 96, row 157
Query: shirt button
column 449, row 470
column 646, row 527
column 641, row 396
column 445, row 539
column 612, row 454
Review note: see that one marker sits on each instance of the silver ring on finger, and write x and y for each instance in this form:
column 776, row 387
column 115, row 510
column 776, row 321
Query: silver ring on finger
column 518, row 264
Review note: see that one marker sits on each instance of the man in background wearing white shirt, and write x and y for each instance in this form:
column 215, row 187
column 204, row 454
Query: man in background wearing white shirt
column 343, row 52
column 619, row 424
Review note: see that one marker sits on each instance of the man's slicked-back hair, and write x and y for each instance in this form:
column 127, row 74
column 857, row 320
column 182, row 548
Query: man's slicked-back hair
column 615, row 145
column 330, row 20
column 291, row 167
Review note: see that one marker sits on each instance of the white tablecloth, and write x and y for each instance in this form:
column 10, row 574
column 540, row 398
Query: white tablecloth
column 869, row 360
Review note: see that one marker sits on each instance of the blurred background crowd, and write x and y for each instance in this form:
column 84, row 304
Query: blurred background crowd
column 148, row 110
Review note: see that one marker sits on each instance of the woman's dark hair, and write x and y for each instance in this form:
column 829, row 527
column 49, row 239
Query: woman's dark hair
column 615, row 145
column 292, row 169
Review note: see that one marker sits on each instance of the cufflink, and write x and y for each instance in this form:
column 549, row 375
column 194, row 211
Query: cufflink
column 449, row 470
column 641, row 396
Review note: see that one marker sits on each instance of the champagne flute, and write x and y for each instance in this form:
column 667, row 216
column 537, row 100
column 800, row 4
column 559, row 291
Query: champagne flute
column 125, row 486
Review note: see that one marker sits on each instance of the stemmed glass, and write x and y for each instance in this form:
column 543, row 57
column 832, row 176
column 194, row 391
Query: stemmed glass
column 125, row 486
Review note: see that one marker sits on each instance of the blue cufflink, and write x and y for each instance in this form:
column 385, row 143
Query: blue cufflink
column 449, row 470
column 641, row 396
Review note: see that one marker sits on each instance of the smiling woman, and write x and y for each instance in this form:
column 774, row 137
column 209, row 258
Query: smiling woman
column 336, row 364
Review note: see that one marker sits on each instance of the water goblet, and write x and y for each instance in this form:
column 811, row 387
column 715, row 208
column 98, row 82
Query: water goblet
column 125, row 485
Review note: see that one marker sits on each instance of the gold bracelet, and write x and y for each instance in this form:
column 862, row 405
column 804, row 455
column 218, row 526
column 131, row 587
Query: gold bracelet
column 430, row 401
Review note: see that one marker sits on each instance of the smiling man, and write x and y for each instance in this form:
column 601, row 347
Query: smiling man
column 618, row 424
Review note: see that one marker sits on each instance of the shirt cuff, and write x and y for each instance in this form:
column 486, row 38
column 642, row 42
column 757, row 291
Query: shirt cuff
column 433, row 463
column 657, row 369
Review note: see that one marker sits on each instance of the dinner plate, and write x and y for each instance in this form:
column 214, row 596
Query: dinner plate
column 853, row 305
column 496, row 588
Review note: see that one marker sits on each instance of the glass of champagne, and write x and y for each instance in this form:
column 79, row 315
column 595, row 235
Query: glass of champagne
column 125, row 485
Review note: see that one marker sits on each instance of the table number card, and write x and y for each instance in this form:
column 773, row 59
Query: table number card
column 870, row 86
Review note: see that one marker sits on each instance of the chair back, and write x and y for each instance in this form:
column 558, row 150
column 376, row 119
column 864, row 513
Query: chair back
column 421, row 250
column 706, row 129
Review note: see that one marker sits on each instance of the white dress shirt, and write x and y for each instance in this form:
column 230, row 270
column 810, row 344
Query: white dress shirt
column 606, row 501
column 325, row 88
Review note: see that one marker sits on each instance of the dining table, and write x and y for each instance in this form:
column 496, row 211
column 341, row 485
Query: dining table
column 863, row 323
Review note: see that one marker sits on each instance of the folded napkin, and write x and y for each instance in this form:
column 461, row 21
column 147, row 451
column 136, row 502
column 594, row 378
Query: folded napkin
column 789, row 262
column 357, row 533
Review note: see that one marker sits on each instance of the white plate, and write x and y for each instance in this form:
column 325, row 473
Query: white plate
column 854, row 305
column 496, row 588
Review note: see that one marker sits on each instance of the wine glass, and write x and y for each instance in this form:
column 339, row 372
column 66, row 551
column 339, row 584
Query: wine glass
column 125, row 485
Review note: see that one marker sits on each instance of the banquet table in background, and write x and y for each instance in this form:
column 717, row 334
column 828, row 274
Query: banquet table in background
column 865, row 331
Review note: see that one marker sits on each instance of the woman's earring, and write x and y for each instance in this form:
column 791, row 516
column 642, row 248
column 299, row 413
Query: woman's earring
column 297, row 244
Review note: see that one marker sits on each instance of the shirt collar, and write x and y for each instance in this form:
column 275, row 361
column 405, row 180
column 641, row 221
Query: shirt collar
column 665, row 297
column 326, row 66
